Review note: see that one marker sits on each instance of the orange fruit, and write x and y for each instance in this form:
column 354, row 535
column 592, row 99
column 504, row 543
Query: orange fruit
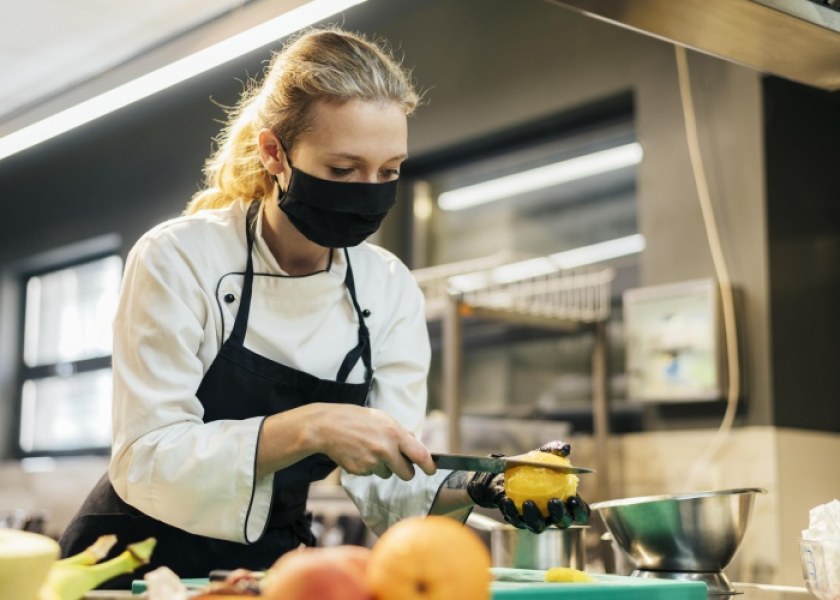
column 429, row 558
column 540, row 485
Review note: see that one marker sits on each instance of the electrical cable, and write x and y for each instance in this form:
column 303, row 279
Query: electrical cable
column 721, row 270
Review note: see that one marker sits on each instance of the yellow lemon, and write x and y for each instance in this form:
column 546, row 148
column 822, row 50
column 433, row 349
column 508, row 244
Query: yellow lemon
column 567, row 575
column 540, row 485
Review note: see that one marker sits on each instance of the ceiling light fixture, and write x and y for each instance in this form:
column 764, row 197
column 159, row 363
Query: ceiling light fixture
column 171, row 74
column 542, row 177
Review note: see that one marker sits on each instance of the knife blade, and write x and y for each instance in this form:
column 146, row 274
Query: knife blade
column 488, row 464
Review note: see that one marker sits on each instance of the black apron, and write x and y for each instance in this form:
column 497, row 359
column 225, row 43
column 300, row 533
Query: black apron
column 239, row 384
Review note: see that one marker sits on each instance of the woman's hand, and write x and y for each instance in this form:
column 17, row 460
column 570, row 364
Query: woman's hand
column 488, row 490
column 362, row 441
column 367, row 441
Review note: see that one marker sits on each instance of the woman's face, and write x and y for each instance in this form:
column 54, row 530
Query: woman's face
column 357, row 141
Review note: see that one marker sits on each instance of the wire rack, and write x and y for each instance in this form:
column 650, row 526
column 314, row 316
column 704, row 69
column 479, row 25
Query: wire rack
column 577, row 296
column 496, row 289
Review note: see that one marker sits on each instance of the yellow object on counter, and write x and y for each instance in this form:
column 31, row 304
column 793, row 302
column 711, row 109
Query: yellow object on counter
column 25, row 560
column 540, row 485
column 567, row 575
column 72, row 577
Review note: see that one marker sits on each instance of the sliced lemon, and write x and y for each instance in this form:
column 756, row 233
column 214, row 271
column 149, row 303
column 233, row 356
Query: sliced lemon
column 567, row 575
column 540, row 485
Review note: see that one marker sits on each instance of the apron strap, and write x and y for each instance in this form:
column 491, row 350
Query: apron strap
column 240, row 326
column 362, row 349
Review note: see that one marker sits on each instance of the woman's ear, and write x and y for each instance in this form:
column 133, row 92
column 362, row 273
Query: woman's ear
column 272, row 155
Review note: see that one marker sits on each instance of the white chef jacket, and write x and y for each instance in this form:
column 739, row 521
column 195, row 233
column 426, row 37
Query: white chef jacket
column 171, row 321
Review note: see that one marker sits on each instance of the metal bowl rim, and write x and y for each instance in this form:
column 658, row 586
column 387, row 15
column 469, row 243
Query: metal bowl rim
column 682, row 496
column 509, row 527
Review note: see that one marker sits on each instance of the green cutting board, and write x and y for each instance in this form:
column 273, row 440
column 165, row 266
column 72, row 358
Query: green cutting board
column 525, row 584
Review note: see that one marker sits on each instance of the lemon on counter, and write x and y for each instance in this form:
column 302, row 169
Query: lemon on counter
column 567, row 575
column 540, row 485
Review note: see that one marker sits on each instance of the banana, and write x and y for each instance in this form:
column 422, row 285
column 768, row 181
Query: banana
column 93, row 553
column 71, row 578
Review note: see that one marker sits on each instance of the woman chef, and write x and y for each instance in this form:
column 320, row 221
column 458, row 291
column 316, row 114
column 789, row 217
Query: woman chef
column 259, row 342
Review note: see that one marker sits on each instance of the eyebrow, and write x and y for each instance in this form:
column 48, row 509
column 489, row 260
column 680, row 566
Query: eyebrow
column 357, row 158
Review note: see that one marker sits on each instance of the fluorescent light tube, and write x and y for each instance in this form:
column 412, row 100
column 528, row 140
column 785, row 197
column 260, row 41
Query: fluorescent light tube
column 171, row 74
column 587, row 255
column 542, row 177
column 546, row 265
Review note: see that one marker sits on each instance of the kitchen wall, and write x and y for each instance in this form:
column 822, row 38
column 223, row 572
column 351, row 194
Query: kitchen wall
column 489, row 65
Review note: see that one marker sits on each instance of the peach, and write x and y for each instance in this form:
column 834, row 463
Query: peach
column 322, row 573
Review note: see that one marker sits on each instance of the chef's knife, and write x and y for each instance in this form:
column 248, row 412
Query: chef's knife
column 488, row 464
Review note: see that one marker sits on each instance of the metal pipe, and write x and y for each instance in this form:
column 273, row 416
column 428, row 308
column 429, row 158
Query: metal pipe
column 600, row 408
column 452, row 332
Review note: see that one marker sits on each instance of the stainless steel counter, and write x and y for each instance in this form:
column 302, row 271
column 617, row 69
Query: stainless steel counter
column 753, row 591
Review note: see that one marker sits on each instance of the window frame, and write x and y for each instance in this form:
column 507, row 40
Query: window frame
column 54, row 260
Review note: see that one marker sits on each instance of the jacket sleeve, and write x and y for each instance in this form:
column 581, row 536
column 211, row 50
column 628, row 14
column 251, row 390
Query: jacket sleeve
column 165, row 460
column 401, row 363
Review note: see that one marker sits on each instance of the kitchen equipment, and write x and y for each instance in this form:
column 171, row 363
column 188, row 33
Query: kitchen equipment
column 690, row 536
column 522, row 584
column 821, row 567
column 487, row 464
column 523, row 549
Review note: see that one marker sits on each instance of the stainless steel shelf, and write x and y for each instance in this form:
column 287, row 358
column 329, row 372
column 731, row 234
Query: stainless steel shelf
column 491, row 289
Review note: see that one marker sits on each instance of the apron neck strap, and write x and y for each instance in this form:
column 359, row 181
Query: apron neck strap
column 362, row 349
column 240, row 326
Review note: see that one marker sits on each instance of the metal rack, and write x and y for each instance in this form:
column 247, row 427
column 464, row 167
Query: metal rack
column 492, row 289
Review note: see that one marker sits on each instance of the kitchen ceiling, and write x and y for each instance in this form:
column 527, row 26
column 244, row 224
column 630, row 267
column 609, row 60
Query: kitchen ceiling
column 50, row 46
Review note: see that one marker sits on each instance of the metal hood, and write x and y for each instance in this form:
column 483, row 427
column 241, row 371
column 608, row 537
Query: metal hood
column 795, row 39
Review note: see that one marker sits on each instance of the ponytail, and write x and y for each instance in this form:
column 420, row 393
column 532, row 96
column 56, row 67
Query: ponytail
column 322, row 64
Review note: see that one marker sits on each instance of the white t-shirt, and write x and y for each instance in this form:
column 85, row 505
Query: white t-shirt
column 171, row 321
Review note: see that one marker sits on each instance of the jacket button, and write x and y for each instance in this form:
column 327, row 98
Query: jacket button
column 366, row 313
column 229, row 298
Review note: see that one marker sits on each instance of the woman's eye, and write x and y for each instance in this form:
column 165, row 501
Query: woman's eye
column 391, row 173
column 340, row 171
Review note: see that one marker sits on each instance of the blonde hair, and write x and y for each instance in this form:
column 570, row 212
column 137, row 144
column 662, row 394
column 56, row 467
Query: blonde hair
column 324, row 64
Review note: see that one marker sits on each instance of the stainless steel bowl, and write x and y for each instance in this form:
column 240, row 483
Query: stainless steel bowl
column 678, row 535
column 515, row 548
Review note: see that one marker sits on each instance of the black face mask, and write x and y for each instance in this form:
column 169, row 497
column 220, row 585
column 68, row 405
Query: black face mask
column 336, row 214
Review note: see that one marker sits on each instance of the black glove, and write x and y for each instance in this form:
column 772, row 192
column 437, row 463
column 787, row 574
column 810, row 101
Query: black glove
column 488, row 490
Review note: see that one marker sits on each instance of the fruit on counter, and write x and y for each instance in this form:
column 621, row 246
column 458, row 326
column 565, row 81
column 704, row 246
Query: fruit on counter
column 356, row 557
column 331, row 573
column 567, row 575
column 72, row 577
column 540, row 485
column 93, row 553
column 25, row 560
column 429, row 558
column 239, row 582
